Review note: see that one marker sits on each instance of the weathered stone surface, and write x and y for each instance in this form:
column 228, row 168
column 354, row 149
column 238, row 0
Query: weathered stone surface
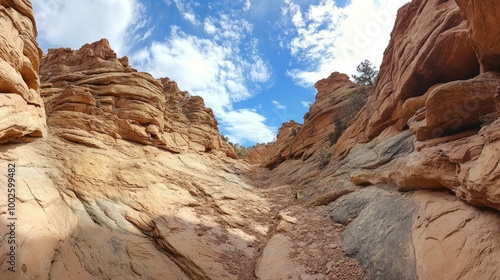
column 21, row 108
column 274, row 263
column 93, row 91
column 429, row 45
column 454, row 240
column 129, row 211
column 302, row 141
column 466, row 164
column 482, row 22
column 282, row 148
column 98, row 207
column 258, row 154
column 378, row 232
column 455, row 107
column 425, row 235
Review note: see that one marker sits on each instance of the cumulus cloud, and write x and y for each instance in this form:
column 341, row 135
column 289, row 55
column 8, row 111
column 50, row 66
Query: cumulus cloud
column 330, row 38
column 209, row 26
column 73, row 23
column 245, row 125
column 278, row 105
column 191, row 18
column 223, row 69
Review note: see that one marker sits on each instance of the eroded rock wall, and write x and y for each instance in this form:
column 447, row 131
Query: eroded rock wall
column 427, row 141
column 302, row 141
column 429, row 45
column 430, row 86
column 22, row 112
column 93, row 98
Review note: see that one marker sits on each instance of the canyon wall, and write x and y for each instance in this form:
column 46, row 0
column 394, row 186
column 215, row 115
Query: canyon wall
column 22, row 112
column 119, row 175
column 116, row 174
column 417, row 169
column 436, row 85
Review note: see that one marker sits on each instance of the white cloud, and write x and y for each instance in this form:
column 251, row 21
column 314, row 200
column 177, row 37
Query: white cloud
column 73, row 23
column 278, row 105
column 329, row 38
column 224, row 70
column 209, row 26
column 191, row 17
column 306, row 104
column 246, row 125
column 247, row 5
column 187, row 11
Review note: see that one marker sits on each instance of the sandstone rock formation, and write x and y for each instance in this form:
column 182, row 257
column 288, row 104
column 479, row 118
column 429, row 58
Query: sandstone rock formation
column 131, row 179
column 22, row 114
column 482, row 22
column 301, row 141
column 92, row 97
column 429, row 45
column 430, row 123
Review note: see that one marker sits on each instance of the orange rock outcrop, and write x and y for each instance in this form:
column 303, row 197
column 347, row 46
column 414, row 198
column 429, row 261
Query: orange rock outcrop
column 435, row 81
column 93, row 97
column 22, row 114
column 430, row 124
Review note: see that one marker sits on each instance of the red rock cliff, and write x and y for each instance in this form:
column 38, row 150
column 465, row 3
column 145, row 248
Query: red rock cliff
column 439, row 81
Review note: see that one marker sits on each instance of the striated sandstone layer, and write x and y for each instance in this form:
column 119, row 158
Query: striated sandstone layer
column 132, row 180
column 22, row 111
column 429, row 45
column 129, row 211
column 430, row 93
column 92, row 97
column 301, row 141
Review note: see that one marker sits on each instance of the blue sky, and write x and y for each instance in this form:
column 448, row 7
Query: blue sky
column 254, row 62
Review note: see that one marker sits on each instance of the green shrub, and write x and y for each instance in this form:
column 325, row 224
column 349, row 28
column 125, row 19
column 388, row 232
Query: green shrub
column 337, row 132
column 241, row 151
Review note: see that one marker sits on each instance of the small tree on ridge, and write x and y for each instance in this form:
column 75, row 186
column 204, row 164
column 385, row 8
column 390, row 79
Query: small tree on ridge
column 368, row 74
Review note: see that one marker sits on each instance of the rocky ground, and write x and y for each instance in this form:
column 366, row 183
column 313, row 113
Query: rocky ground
column 134, row 211
column 304, row 243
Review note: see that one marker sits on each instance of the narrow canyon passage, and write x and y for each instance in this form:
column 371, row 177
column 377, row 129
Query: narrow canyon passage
column 111, row 173
column 138, row 212
column 303, row 243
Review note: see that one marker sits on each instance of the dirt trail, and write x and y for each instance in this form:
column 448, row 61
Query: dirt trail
column 302, row 243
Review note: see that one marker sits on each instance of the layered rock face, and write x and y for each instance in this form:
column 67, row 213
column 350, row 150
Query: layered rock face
column 301, row 141
column 429, row 46
column 482, row 22
column 445, row 108
column 22, row 113
column 132, row 181
column 430, row 124
column 94, row 98
column 431, row 86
